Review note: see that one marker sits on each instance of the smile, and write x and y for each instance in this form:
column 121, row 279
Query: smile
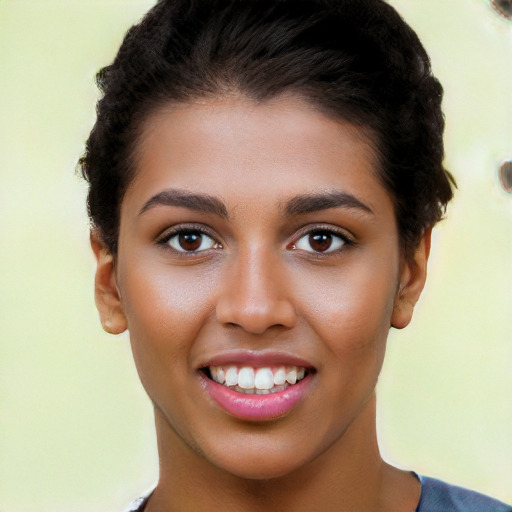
column 261, row 388
column 254, row 380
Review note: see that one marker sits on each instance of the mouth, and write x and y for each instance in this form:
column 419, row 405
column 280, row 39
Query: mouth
column 256, row 380
column 253, row 386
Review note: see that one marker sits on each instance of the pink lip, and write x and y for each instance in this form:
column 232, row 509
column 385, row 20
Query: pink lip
column 256, row 358
column 251, row 407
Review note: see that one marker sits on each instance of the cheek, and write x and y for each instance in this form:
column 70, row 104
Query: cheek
column 165, row 308
column 350, row 309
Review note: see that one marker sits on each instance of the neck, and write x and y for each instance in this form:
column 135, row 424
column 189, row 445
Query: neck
column 349, row 475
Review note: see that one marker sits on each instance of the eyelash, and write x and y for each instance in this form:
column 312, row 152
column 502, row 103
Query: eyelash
column 165, row 239
column 342, row 243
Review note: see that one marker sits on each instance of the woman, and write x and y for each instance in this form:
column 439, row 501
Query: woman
column 264, row 177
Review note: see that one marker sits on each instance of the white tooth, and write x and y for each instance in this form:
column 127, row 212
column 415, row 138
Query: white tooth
column 221, row 375
column 291, row 376
column 264, row 378
column 246, row 378
column 300, row 373
column 232, row 376
column 213, row 373
column 280, row 377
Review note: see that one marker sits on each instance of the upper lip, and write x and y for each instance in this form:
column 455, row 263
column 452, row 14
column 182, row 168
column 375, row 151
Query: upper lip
column 256, row 358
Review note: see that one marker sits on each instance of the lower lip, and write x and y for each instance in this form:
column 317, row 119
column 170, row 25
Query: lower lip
column 251, row 407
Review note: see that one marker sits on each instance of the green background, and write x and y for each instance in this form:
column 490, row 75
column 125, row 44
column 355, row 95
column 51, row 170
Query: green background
column 76, row 429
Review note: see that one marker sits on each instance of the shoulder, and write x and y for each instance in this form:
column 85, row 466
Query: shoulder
column 438, row 496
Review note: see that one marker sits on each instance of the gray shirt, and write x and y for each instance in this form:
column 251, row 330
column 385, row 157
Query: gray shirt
column 436, row 496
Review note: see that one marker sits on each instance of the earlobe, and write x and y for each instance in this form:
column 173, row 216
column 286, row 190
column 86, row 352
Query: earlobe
column 106, row 292
column 412, row 281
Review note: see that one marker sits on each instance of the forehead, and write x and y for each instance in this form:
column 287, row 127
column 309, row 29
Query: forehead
column 241, row 150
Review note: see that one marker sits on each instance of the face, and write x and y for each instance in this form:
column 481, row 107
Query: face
column 258, row 273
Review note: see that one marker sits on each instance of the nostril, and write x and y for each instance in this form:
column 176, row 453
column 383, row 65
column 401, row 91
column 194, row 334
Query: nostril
column 254, row 313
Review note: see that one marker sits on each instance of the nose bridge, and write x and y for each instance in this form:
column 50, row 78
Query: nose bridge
column 255, row 293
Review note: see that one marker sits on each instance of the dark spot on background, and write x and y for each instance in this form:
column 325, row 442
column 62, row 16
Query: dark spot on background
column 503, row 8
column 506, row 175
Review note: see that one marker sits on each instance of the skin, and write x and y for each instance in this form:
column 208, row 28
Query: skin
column 260, row 284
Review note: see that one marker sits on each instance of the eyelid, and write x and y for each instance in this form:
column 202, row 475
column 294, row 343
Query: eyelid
column 346, row 236
column 165, row 235
column 344, row 233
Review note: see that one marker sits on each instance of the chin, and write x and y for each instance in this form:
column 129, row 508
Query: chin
column 259, row 464
column 260, row 470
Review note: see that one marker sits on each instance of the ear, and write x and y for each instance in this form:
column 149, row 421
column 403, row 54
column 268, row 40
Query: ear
column 412, row 280
column 106, row 292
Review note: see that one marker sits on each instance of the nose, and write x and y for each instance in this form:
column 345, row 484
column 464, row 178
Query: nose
column 255, row 294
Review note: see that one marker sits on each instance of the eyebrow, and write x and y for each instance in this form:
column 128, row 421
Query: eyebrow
column 305, row 203
column 308, row 203
column 174, row 197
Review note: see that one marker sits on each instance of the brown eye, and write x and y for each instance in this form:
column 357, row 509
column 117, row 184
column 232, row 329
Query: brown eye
column 191, row 241
column 320, row 241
